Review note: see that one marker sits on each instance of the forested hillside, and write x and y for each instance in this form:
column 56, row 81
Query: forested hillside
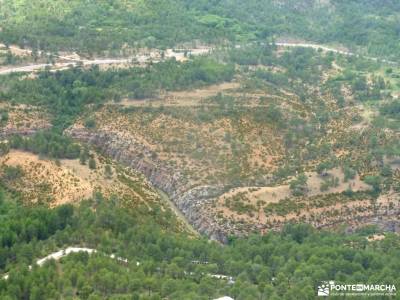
column 92, row 27
column 198, row 149
column 161, row 264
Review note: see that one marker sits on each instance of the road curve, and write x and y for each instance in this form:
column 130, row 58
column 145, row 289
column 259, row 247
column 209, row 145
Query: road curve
column 314, row 46
column 334, row 50
column 61, row 66
column 143, row 59
column 140, row 58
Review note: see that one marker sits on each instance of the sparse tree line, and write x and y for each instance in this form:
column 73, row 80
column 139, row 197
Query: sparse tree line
column 67, row 94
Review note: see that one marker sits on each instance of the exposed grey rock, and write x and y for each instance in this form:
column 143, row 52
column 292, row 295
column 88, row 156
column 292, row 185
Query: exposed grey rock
column 126, row 150
column 194, row 202
column 6, row 132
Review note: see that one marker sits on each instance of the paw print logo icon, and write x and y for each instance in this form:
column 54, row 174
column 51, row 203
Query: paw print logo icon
column 323, row 289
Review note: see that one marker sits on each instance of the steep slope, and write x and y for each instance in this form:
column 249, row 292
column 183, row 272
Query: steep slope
column 39, row 181
column 228, row 155
column 289, row 121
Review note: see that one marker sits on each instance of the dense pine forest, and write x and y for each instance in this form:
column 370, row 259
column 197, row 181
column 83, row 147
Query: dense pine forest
column 92, row 27
column 163, row 264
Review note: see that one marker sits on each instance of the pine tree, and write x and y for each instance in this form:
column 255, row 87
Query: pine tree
column 92, row 163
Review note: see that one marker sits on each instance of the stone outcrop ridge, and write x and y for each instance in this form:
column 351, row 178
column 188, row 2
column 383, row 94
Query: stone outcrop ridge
column 385, row 218
column 9, row 131
column 132, row 153
column 194, row 201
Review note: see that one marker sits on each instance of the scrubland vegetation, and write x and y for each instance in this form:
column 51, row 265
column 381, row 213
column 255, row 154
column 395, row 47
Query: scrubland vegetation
column 287, row 154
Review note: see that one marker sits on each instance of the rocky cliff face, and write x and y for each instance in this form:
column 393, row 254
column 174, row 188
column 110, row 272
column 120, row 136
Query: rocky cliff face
column 23, row 120
column 195, row 201
column 385, row 218
column 130, row 152
column 9, row 131
column 193, row 204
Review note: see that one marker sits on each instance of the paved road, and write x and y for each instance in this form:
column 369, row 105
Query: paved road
column 65, row 252
column 61, row 66
column 25, row 69
column 329, row 49
column 73, row 61
column 316, row 47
